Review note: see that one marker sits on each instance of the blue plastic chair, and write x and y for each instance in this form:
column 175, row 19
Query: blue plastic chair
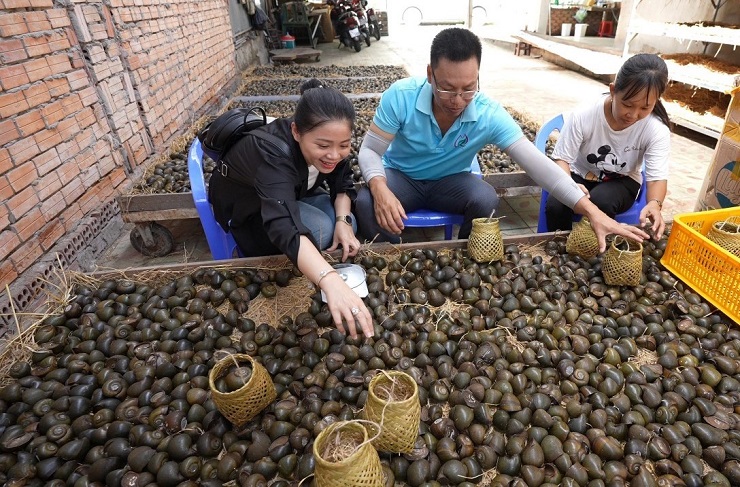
column 430, row 218
column 221, row 243
column 631, row 216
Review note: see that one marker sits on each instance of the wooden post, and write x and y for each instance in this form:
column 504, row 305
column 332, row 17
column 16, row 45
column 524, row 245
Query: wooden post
column 470, row 14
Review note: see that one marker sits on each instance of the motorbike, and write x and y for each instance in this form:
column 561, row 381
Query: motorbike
column 359, row 7
column 372, row 18
column 347, row 25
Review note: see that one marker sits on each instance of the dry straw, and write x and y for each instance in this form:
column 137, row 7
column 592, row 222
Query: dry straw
column 726, row 234
column 243, row 404
column 622, row 263
column 393, row 404
column 582, row 240
column 344, row 456
column 485, row 243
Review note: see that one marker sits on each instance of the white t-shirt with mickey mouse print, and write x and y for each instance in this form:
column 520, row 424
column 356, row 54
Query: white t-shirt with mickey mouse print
column 597, row 153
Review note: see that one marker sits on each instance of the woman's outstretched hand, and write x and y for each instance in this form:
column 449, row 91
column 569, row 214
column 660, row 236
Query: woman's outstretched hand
column 603, row 226
column 345, row 305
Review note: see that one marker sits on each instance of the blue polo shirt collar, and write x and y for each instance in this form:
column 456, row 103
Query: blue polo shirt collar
column 424, row 104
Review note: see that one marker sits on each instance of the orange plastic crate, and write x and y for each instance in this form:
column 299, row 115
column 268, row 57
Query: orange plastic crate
column 709, row 269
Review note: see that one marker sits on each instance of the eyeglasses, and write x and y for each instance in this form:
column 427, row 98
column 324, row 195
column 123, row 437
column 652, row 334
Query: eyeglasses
column 450, row 95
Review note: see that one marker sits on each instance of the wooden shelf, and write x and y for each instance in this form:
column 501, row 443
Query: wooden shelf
column 714, row 34
column 704, row 123
column 702, row 77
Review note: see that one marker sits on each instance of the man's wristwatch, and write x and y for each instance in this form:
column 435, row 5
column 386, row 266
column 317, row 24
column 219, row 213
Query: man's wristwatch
column 345, row 219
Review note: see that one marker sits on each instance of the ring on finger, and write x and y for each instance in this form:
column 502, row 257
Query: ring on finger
column 355, row 311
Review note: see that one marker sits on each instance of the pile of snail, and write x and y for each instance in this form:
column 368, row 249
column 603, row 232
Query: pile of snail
column 330, row 71
column 530, row 371
column 292, row 86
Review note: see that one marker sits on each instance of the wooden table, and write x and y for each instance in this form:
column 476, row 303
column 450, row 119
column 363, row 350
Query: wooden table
column 295, row 54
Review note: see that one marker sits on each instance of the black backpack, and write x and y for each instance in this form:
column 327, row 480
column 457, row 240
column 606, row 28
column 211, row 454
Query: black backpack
column 221, row 134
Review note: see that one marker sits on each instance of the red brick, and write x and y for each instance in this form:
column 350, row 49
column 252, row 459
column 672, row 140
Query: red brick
column 37, row 94
column 22, row 176
column 11, row 51
column 67, row 128
column 67, row 172
column 59, row 63
column 85, row 160
column 78, row 79
column 50, row 234
column 30, row 122
column 41, row 3
column 8, row 242
column 6, row 163
column 31, row 223
column 13, row 76
column 85, row 118
column 67, row 150
column 47, row 139
column 17, row 4
column 72, row 191
column 23, row 150
column 71, row 216
column 37, row 69
column 8, row 132
column 4, row 216
column 88, row 96
column 37, row 46
column 45, row 163
column 22, row 202
column 72, row 104
column 37, row 21
column 57, row 87
column 5, row 190
column 12, row 104
column 8, row 273
column 26, row 255
column 72, row 36
column 58, row 18
column 48, row 186
column 53, row 112
column 12, row 24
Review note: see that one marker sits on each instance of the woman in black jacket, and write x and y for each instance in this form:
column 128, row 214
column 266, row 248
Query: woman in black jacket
column 280, row 204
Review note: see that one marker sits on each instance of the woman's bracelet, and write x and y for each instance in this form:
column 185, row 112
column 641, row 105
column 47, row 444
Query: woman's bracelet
column 325, row 273
column 660, row 203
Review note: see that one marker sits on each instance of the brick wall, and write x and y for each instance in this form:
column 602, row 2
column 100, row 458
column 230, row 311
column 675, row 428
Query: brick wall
column 90, row 90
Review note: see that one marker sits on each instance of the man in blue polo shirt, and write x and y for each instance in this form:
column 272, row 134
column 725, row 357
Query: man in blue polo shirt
column 424, row 135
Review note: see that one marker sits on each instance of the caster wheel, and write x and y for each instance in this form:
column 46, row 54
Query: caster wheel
column 158, row 243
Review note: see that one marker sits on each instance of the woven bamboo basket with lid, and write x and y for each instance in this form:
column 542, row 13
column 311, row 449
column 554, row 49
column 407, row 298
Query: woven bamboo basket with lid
column 344, row 456
column 393, row 404
column 726, row 234
column 485, row 243
column 248, row 401
column 582, row 240
column 622, row 263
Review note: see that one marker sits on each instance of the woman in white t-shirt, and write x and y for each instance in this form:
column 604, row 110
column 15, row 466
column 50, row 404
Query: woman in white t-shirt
column 603, row 146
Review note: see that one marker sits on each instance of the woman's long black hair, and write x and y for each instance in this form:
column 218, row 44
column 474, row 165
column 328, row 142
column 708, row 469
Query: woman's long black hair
column 644, row 72
column 320, row 104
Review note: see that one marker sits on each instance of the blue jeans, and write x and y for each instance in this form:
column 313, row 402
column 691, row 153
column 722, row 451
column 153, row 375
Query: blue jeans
column 317, row 213
column 463, row 193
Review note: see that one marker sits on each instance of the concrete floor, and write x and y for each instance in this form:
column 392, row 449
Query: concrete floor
column 528, row 84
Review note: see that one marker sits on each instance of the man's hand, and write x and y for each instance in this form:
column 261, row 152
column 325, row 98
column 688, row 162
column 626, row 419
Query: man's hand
column 652, row 211
column 345, row 236
column 389, row 212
